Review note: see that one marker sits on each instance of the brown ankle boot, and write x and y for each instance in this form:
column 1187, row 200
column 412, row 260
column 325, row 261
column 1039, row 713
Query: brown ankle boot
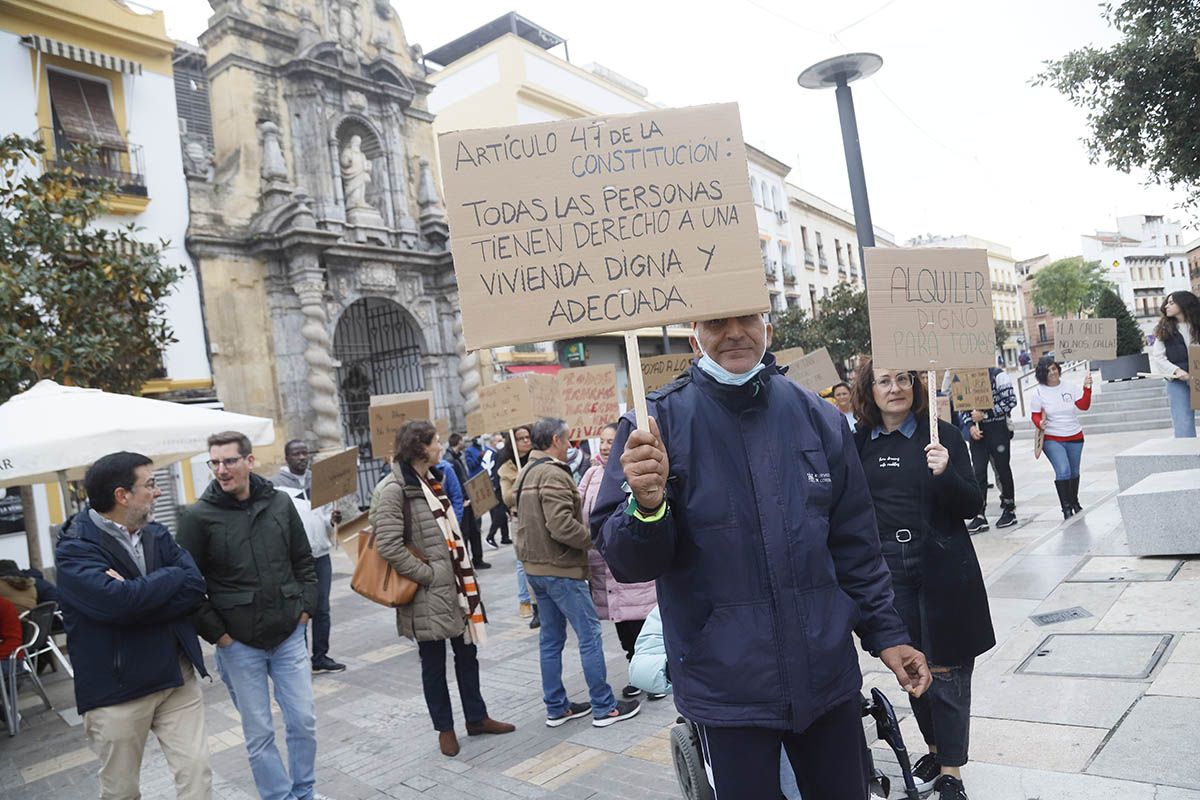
column 488, row 725
column 448, row 742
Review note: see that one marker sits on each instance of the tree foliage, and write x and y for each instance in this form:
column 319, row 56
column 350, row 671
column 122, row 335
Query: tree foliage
column 842, row 326
column 1001, row 334
column 1130, row 339
column 82, row 303
column 1069, row 286
column 1140, row 94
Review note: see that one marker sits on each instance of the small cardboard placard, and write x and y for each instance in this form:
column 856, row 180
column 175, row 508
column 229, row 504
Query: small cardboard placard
column 476, row 424
column 577, row 227
column 1085, row 339
column 930, row 308
column 814, row 371
column 443, row 428
column 788, row 355
column 1039, row 441
column 335, row 477
column 389, row 412
column 943, row 408
column 1194, row 374
column 347, row 535
column 505, row 405
column 658, row 371
column 590, row 397
column 482, row 494
column 971, row 390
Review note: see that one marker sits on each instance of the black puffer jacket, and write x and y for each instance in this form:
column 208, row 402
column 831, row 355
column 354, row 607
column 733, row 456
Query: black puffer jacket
column 256, row 561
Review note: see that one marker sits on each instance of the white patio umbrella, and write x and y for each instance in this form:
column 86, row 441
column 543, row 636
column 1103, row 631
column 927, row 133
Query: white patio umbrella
column 54, row 433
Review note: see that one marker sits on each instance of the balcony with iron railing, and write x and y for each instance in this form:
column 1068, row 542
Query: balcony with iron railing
column 824, row 262
column 770, row 266
column 808, row 259
column 789, row 273
column 124, row 166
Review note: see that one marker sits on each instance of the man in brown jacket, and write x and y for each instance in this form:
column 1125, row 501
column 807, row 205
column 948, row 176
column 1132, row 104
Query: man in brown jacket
column 552, row 542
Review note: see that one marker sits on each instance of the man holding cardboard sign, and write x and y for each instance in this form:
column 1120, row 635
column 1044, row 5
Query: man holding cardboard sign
column 748, row 504
column 983, row 406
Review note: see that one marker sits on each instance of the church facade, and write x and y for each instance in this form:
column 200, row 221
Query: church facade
column 316, row 219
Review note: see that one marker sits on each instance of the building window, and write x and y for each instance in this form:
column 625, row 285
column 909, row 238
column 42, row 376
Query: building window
column 821, row 253
column 766, row 197
column 755, row 191
column 850, row 255
column 1041, row 332
column 837, row 249
column 775, row 198
column 81, row 111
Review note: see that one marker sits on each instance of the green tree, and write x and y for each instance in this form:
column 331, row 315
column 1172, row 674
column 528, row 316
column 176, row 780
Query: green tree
column 842, row 326
column 82, row 303
column 1140, row 94
column 1130, row 339
column 1069, row 286
column 1001, row 335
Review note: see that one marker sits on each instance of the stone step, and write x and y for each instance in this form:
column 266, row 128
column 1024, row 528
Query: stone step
column 1087, row 418
column 1160, row 513
column 1154, row 456
column 1026, row 434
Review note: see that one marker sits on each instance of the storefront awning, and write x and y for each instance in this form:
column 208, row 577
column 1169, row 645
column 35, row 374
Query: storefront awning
column 83, row 55
column 541, row 369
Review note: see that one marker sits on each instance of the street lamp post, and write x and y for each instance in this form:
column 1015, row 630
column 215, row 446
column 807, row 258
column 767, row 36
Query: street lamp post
column 839, row 72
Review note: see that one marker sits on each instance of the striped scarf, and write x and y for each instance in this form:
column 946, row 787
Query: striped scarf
column 468, row 590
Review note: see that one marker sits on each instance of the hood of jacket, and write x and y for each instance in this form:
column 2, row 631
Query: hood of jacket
column 260, row 489
column 287, row 478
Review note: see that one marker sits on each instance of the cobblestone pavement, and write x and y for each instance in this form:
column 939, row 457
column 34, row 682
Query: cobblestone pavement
column 1032, row 736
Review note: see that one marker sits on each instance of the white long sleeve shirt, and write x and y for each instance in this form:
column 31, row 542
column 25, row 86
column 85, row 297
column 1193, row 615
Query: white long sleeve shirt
column 1159, row 364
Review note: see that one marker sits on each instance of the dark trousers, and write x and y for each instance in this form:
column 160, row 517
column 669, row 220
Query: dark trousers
column 996, row 446
column 320, row 620
column 499, row 524
column 437, row 691
column 829, row 758
column 472, row 535
column 627, row 633
column 944, row 711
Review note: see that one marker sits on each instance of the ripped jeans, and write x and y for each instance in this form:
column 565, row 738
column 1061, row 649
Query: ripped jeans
column 944, row 712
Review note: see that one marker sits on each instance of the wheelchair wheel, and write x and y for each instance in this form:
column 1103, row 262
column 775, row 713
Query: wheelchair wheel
column 689, row 764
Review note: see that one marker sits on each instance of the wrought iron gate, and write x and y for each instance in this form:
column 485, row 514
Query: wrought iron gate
column 379, row 350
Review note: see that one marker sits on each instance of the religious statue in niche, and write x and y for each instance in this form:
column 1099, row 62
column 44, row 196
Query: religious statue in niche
column 356, row 175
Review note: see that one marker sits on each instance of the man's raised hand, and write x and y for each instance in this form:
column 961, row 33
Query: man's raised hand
column 646, row 466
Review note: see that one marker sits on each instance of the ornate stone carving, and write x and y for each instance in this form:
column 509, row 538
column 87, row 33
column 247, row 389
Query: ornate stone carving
column 273, row 168
column 355, row 101
column 377, row 276
column 317, row 351
column 197, row 157
column 308, row 34
column 348, row 28
column 433, row 216
column 468, row 369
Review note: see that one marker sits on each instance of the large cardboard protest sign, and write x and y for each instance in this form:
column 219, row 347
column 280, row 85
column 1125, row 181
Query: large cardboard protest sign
column 389, row 412
column 590, row 397
column 814, row 371
column 545, row 396
column 481, row 493
column 347, row 535
column 658, row 371
column 930, row 308
column 335, row 477
column 505, row 405
column 971, row 390
column 587, row 226
column 788, row 355
column 476, row 424
column 1194, row 374
column 1085, row 339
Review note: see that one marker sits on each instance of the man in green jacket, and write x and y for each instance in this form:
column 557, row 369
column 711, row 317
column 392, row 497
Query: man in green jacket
column 250, row 545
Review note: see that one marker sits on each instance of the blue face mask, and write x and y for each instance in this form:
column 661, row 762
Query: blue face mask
column 722, row 375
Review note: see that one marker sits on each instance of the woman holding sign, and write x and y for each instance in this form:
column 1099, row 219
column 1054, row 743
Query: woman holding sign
column 1056, row 408
column 1178, row 327
column 922, row 492
column 417, row 532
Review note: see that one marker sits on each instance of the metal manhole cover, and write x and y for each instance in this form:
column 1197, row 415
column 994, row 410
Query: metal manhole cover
column 1123, row 569
column 1130, row 656
column 1053, row 617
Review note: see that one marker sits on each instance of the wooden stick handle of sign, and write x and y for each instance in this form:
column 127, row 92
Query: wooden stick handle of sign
column 930, row 377
column 512, row 440
column 636, row 385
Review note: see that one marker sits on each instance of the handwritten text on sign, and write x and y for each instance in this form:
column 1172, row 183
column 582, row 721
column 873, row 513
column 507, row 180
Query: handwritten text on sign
column 590, row 397
column 602, row 224
column 334, row 477
column 972, row 390
column 1077, row 339
column 388, row 413
column 814, row 371
column 1194, row 374
column 930, row 308
column 481, row 493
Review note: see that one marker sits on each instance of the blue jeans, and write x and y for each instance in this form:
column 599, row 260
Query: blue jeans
column 1064, row 457
column 522, row 584
column 1183, row 418
column 321, row 620
column 563, row 600
column 245, row 670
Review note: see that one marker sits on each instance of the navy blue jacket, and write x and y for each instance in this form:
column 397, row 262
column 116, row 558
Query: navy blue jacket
column 126, row 636
column 768, row 556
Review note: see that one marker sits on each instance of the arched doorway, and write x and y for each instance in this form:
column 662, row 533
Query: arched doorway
column 378, row 348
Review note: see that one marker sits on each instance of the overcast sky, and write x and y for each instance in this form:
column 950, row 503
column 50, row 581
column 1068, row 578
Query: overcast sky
column 955, row 139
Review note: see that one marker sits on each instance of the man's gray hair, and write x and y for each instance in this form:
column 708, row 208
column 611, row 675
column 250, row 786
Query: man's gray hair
column 544, row 431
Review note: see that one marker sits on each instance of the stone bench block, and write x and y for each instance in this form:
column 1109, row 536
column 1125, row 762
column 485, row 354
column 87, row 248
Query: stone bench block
column 1156, row 455
column 1161, row 512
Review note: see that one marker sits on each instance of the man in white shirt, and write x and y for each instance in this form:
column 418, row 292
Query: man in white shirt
column 296, row 480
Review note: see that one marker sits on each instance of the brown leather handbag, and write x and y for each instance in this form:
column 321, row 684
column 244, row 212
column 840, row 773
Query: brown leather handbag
column 375, row 578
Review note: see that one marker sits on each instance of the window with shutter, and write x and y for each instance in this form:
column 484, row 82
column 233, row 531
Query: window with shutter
column 83, row 111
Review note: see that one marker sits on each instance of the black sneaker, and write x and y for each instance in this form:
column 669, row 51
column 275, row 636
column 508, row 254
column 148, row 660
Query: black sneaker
column 630, row 691
column 977, row 525
column 492, row 543
column 1008, row 518
column 655, row 695
column 624, row 710
column 536, row 622
column 950, row 788
column 925, row 772
column 327, row 664
column 481, row 565
column 576, row 711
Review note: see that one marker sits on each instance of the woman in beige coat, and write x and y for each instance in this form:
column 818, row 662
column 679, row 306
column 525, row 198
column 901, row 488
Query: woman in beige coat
column 418, row 534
